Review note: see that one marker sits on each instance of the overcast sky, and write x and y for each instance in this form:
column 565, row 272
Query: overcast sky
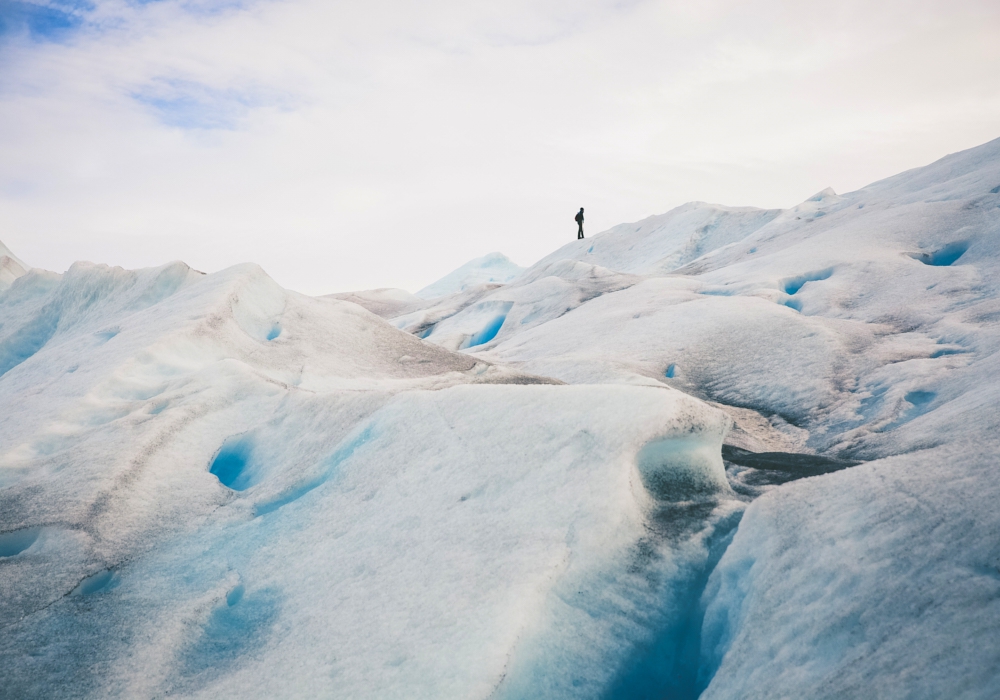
column 348, row 145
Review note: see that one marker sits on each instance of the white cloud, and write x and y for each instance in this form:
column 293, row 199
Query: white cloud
column 347, row 145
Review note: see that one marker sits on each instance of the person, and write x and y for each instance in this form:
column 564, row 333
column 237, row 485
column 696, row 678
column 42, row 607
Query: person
column 579, row 220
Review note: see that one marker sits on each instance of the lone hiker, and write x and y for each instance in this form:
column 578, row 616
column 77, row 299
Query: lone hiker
column 579, row 220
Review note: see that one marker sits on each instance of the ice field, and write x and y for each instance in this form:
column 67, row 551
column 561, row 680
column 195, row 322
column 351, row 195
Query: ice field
column 722, row 452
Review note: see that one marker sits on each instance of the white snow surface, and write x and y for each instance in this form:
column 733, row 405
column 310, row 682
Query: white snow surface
column 212, row 487
column 494, row 268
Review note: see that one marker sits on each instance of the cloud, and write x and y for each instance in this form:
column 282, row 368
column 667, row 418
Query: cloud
column 345, row 145
column 189, row 104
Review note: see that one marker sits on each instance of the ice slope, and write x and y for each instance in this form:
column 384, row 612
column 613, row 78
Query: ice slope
column 667, row 241
column 10, row 267
column 494, row 268
column 865, row 325
column 213, row 487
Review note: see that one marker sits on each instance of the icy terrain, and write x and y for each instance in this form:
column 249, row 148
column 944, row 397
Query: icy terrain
column 494, row 268
column 722, row 452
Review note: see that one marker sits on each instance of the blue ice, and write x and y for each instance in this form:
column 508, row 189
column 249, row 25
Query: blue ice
column 230, row 464
column 236, row 627
column 489, row 331
column 919, row 405
column 13, row 543
column 793, row 284
column 942, row 257
column 95, row 583
column 344, row 451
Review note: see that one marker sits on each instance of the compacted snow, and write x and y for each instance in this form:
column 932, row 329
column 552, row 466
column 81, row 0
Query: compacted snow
column 722, row 452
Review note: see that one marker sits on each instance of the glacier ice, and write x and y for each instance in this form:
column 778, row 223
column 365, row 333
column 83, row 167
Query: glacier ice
column 722, row 452
column 495, row 268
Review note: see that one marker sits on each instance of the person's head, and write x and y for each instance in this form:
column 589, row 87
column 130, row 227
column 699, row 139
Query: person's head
column 581, row 208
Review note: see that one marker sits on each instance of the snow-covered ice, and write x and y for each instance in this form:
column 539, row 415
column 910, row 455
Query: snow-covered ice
column 495, row 268
column 512, row 484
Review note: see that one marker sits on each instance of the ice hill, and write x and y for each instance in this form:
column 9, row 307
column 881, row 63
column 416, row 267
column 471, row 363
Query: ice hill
column 495, row 268
column 721, row 453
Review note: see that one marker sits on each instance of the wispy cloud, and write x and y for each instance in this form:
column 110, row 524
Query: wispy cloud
column 189, row 104
column 361, row 144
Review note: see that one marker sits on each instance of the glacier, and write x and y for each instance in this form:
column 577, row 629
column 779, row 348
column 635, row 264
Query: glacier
column 722, row 452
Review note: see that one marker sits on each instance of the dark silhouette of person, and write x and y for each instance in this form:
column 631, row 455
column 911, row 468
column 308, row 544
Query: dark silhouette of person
column 579, row 220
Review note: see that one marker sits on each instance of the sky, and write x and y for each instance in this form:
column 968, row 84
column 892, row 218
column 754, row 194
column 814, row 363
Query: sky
column 353, row 145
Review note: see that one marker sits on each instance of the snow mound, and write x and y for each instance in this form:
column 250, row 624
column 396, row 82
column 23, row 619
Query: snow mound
column 494, row 268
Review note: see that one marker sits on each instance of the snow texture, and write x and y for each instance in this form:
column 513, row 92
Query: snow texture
column 494, row 268
column 723, row 452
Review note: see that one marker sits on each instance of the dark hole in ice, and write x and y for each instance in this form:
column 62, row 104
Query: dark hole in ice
column 948, row 255
column 13, row 543
column 230, row 464
column 790, row 462
column 995, row 190
column 764, row 468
